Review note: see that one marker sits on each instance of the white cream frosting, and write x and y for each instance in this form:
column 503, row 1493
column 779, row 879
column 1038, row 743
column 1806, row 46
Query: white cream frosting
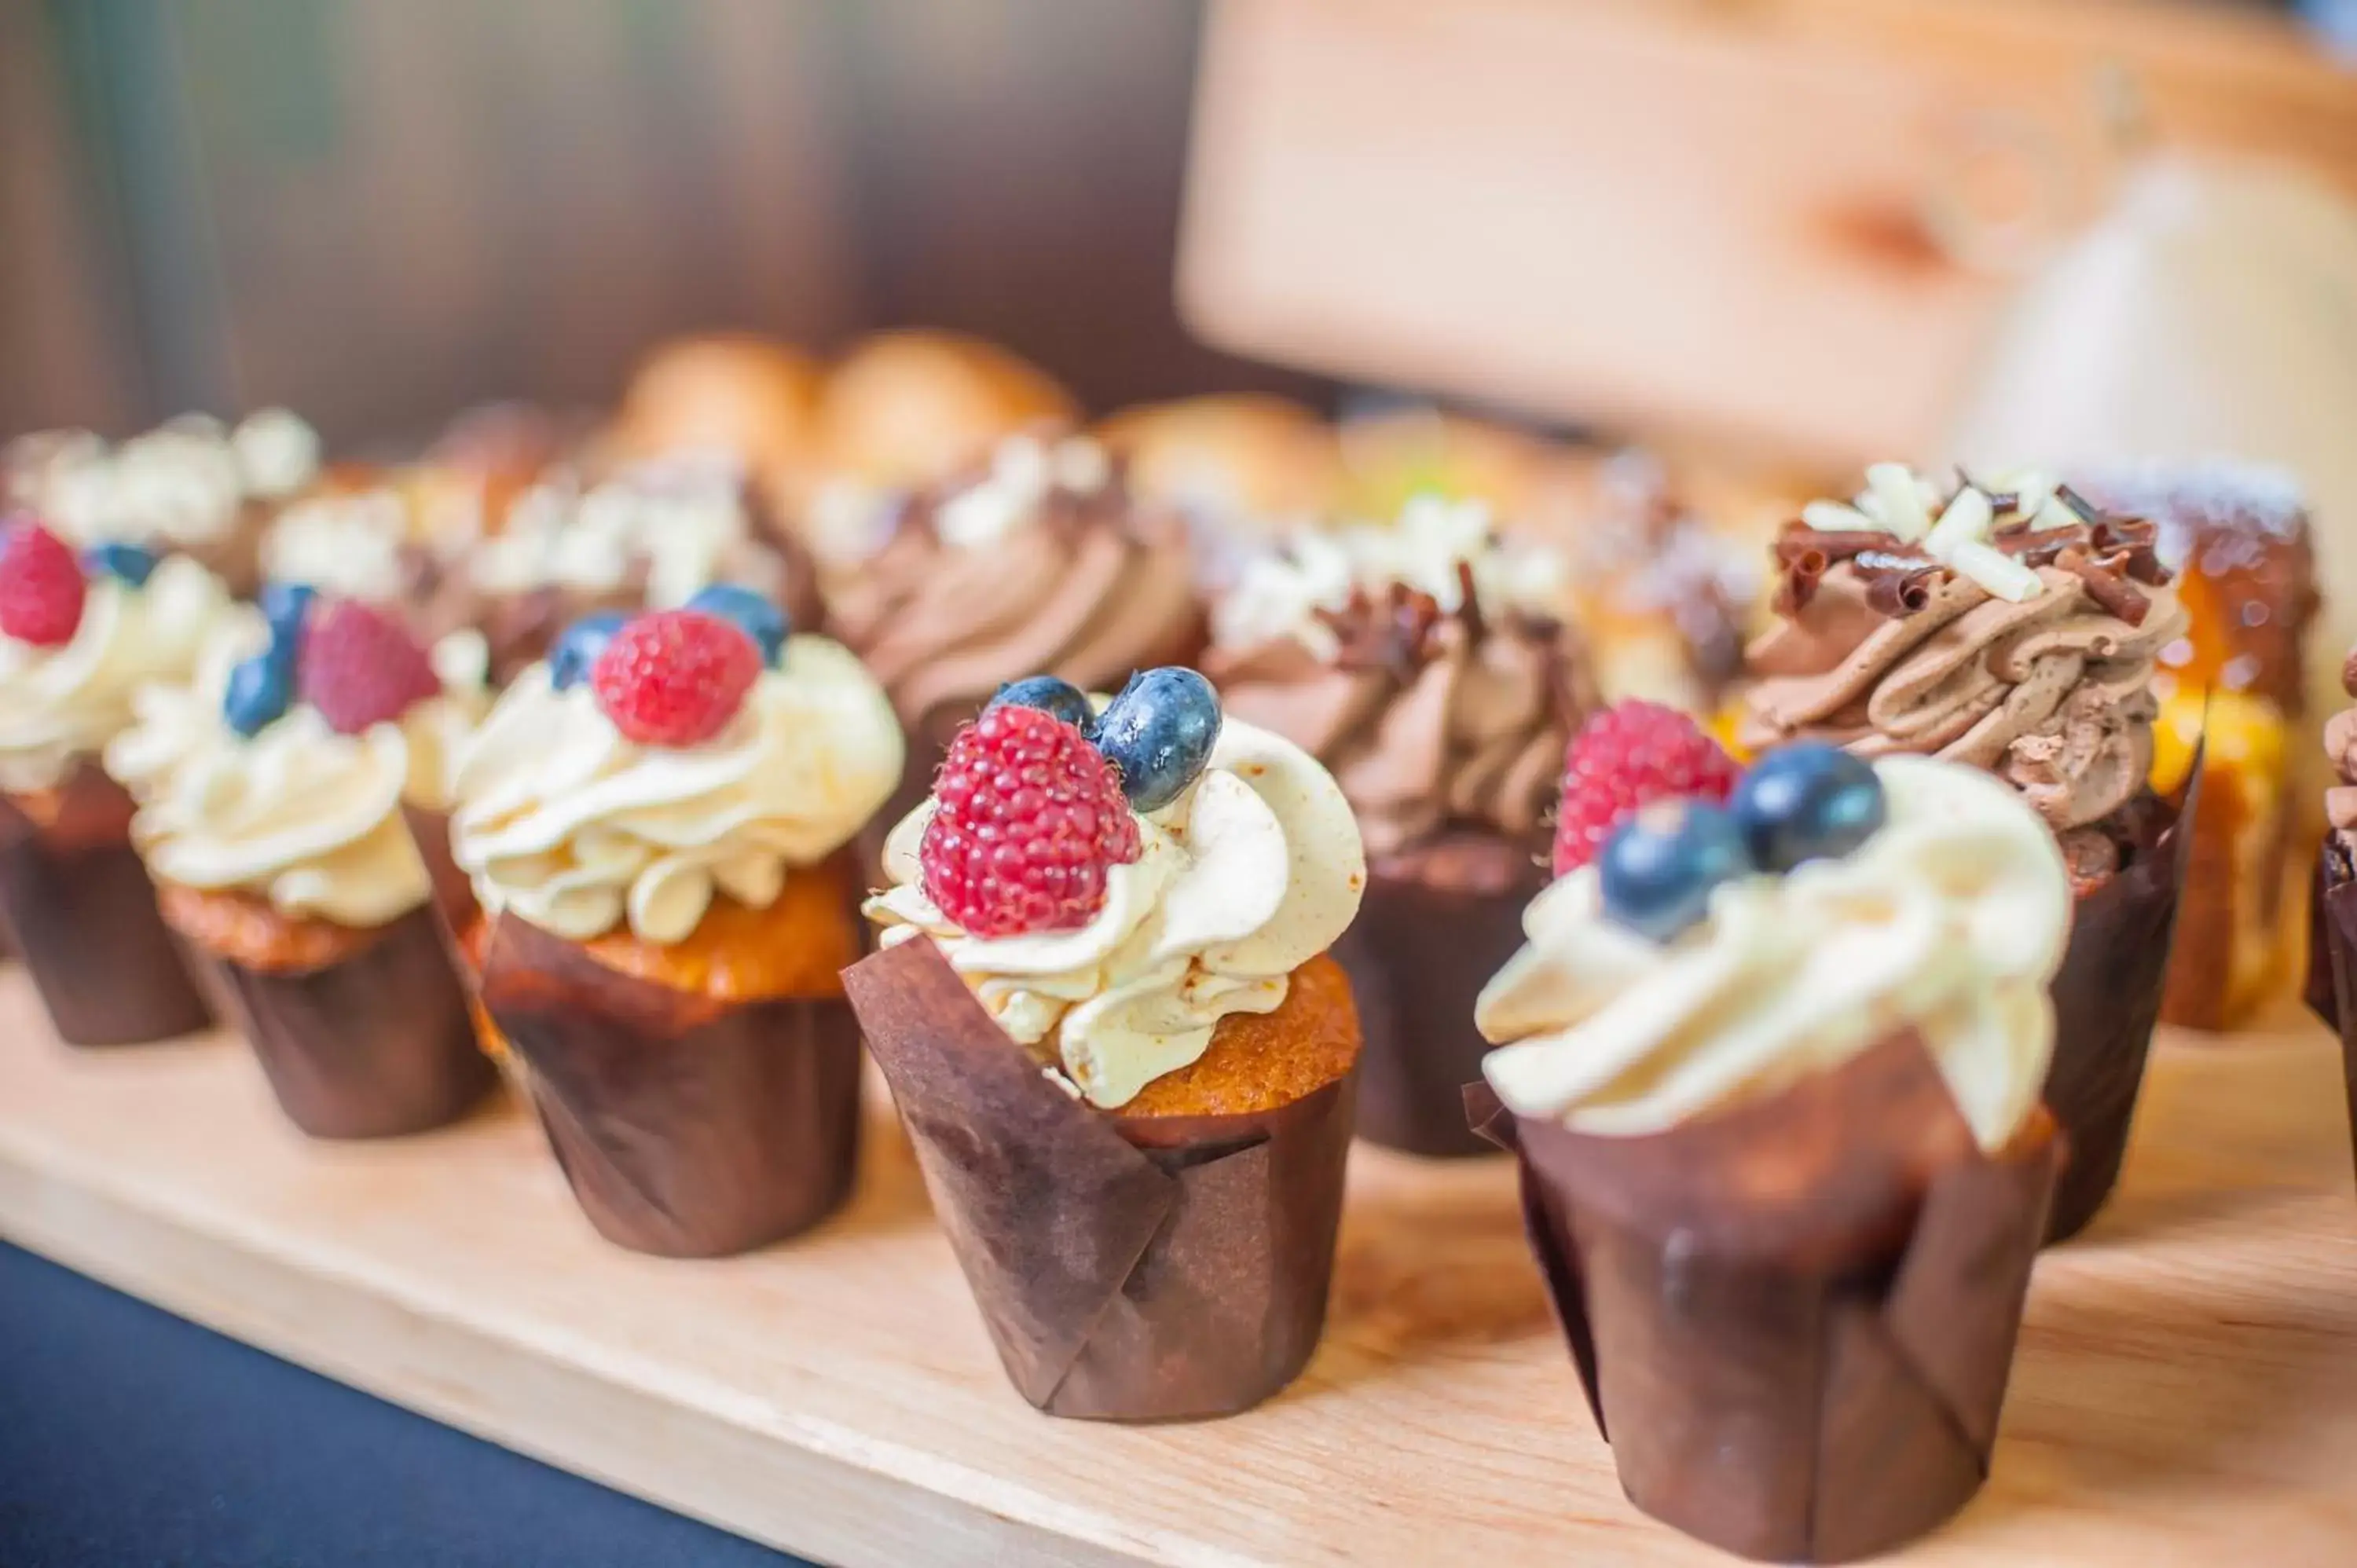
column 61, row 704
column 577, row 830
column 186, row 482
column 1952, row 918
column 1282, row 593
column 1248, row 876
column 686, row 519
column 346, row 544
column 1025, row 471
column 299, row 814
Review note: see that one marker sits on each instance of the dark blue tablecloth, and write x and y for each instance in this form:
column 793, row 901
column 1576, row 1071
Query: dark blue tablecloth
column 128, row 1436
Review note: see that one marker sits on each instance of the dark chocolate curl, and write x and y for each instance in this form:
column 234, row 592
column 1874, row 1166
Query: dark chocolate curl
column 1900, row 593
column 1798, row 539
column 1802, row 573
column 1795, row 1320
column 1127, row 1269
column 2108, row 588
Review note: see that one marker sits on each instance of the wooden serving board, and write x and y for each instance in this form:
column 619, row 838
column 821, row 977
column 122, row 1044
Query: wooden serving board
column 2186, row 1389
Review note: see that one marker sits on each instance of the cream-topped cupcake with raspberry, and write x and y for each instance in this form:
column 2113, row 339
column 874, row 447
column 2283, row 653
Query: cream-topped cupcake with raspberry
column 655, row 824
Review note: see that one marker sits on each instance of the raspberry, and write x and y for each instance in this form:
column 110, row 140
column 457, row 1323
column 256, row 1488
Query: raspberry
column 675, row 678
column 1629, row 755
column 41, row 587
column 360, row 666
column 1028, row 819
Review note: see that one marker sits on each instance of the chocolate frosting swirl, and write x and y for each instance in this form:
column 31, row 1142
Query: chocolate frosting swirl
column 1431, row 722
column 1884, row 651
column 1073, row 580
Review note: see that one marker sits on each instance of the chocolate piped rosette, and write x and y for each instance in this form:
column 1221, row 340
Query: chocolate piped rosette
column 1770, row 1060
column 1123, row 1057
column 1425, row 665
column 655, row 822
column 79, row 635
column 274, row 790
column 2016, row 628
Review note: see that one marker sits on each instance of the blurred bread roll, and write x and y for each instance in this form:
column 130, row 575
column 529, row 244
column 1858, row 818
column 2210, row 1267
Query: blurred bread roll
column 730, row 391
column 1390, row 458
column 1247, row 461
column 907, row 409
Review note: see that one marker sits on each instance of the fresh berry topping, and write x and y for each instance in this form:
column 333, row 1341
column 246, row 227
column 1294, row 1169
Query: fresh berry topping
column 261, row 689
column 760, row 619
column 284, row 606
column 675, row 678
column 1629, row 755
column 1159, row 733
column 577, row 648
column 361, row 666
column 132, row 563
column 41, row 587
column 1657, row 868
column 1049, row 695
column 1808, row 801
column 1028, row 819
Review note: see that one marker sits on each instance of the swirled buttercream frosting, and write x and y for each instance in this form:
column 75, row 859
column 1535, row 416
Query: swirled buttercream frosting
column 1949, row 920
column 1250, row 874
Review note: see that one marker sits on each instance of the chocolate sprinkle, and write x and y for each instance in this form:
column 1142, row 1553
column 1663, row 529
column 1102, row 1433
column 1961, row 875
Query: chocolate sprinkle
column 2105, row 586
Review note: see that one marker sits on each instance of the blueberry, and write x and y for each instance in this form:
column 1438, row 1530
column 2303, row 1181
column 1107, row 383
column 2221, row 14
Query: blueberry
column 1160, row 733
column 1806, row 802
column 284, row 606
column 260, row 690
column 1657, row 871
column 762, row 621
column 1060, row 698
column 131, row 563
column 578, row 646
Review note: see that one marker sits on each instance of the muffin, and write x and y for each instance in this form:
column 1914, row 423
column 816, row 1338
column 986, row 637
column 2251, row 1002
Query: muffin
column 79, row 636
column 1041, row 561
column 2238, row 537
column 272, row 792
column 1124, row 1059
column 195, row 486
column 2017, row 628
column 728, row 395
column 1771, row 1068
column 1421, row 664
column 655, row 822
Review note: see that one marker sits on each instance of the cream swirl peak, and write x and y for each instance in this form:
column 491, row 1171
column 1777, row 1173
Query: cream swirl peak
column 566, row 822
column 2014, row 628
column 297, row 813
column 1948, row 920
column 1255, row 869
column 1438, row 547
column 61, row 704
column 187, row 482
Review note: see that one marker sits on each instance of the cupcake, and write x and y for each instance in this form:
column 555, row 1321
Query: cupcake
column 2238, row 537
column 2015, row 628
column 78, row 637
column 655, row 822
column 2332, row 942
column 1771, row 1068
column 195, row 486
column 1041, row 562
column 1423, row 666
column 272, row 792
column 1125, row 1061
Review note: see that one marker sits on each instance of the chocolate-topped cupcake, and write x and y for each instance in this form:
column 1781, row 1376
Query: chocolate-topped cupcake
column 1662, row 596
column 2015, row 628
column 2332, row 944
column 194, row 486
column 1041, row 562
column 1423, row 666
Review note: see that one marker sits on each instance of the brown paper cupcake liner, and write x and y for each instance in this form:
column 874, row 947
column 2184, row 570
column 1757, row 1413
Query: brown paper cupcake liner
column 2332, row 957
column 2107, row 998
column 82, row 918
column 1794, row 1321
column 1137, row 1268
column 1418, row 955
column 689, row 1127
column 377, row 1045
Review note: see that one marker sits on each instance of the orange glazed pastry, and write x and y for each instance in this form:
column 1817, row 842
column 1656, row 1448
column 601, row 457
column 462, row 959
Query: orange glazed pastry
column 1116, row 1042
column 78, row 637
column 272, row 797
column 655, row 823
